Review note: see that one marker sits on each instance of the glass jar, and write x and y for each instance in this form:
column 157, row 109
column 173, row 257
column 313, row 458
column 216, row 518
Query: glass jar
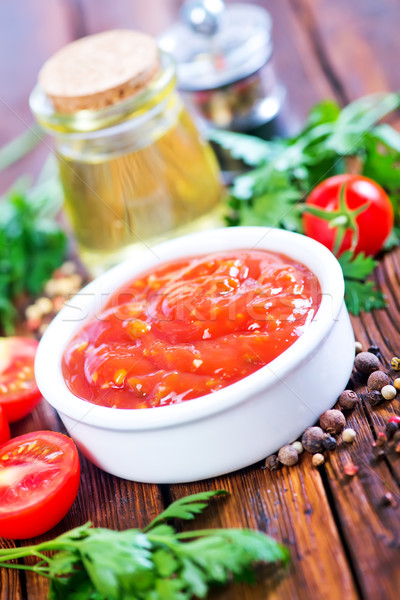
column 133, row 173
column 225, row 64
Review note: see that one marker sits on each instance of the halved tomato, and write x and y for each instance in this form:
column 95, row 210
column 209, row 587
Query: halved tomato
column 39, row 481
column 19, row 393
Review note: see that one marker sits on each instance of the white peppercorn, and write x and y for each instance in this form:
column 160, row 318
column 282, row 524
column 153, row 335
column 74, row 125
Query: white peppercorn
column 388, row 392
column 358, row 347
column 349, row 435
column 318, row 459
column 298, row 446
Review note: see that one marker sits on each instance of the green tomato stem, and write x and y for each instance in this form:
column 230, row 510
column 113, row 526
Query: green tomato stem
column 342, row 219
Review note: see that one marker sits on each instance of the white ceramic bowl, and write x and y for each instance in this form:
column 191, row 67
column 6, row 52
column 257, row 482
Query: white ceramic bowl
column 228, row 429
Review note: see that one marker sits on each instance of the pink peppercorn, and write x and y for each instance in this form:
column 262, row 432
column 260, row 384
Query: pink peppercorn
column 394, row 419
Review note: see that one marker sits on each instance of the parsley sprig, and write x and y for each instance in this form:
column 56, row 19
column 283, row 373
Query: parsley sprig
column 32, row 244
column 359, row 293
column 284, row 171
column 157, row 563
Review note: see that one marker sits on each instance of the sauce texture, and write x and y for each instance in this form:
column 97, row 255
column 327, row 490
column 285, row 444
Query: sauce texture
column 190, row 327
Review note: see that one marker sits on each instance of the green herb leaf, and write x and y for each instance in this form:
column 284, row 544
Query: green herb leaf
column 220, row 553
column 277, row 208
column 32, row 244
column 381, row 161
column 115, row 562
column 358, row 118
column 186, row 508
column 360, row 295
column 100, row 564
column 356, row 267
column 326, row 111
column 253, row 151
column 75, row 587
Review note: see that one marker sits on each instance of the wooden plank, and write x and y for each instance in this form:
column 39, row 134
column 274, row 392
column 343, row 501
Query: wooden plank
column 297, row 64
column 290, row 505
column 10, row 583
column 369, row 526
column 151, row 16
column 383, row 331
column 358, row 38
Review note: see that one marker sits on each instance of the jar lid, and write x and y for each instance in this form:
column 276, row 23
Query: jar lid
column 238, row 46
column 99, row 70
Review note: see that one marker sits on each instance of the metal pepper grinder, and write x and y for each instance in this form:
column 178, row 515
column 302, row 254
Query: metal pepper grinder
column 224, row 65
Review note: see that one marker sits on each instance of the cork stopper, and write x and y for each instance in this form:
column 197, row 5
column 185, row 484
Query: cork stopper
column 99, row 70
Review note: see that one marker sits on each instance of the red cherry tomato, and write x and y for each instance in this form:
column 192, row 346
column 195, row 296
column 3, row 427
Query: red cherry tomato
column 365, row 218
column 4, row 428
column 19, row 393
column 39, row 480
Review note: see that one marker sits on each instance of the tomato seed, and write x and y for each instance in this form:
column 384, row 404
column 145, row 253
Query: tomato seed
column 26, row 385
column 119, row 376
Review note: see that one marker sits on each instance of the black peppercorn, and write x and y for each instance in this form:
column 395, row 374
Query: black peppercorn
column 366, row 363
column 374, row 350
column 329, row 442
column 312, row 439
column 391, row 429
column 332, row 421
column 373, row 398
column 348, row 399
column 272, row 463
column 377, row 380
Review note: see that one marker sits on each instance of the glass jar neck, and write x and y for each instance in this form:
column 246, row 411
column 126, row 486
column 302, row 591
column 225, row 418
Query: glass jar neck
column 123, row 137
column 140, row 106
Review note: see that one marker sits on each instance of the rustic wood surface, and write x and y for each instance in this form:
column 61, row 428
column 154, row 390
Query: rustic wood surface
column 345, row 541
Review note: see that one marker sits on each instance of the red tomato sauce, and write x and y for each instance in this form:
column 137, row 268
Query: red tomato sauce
column 191, row 327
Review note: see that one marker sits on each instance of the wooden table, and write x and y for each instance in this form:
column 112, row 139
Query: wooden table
column 343, row 538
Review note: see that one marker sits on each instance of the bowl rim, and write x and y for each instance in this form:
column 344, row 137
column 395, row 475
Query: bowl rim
column 90, row 300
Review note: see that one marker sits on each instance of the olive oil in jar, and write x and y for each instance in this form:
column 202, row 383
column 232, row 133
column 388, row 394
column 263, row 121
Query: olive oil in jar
column 133, row 173
column 142, row 196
